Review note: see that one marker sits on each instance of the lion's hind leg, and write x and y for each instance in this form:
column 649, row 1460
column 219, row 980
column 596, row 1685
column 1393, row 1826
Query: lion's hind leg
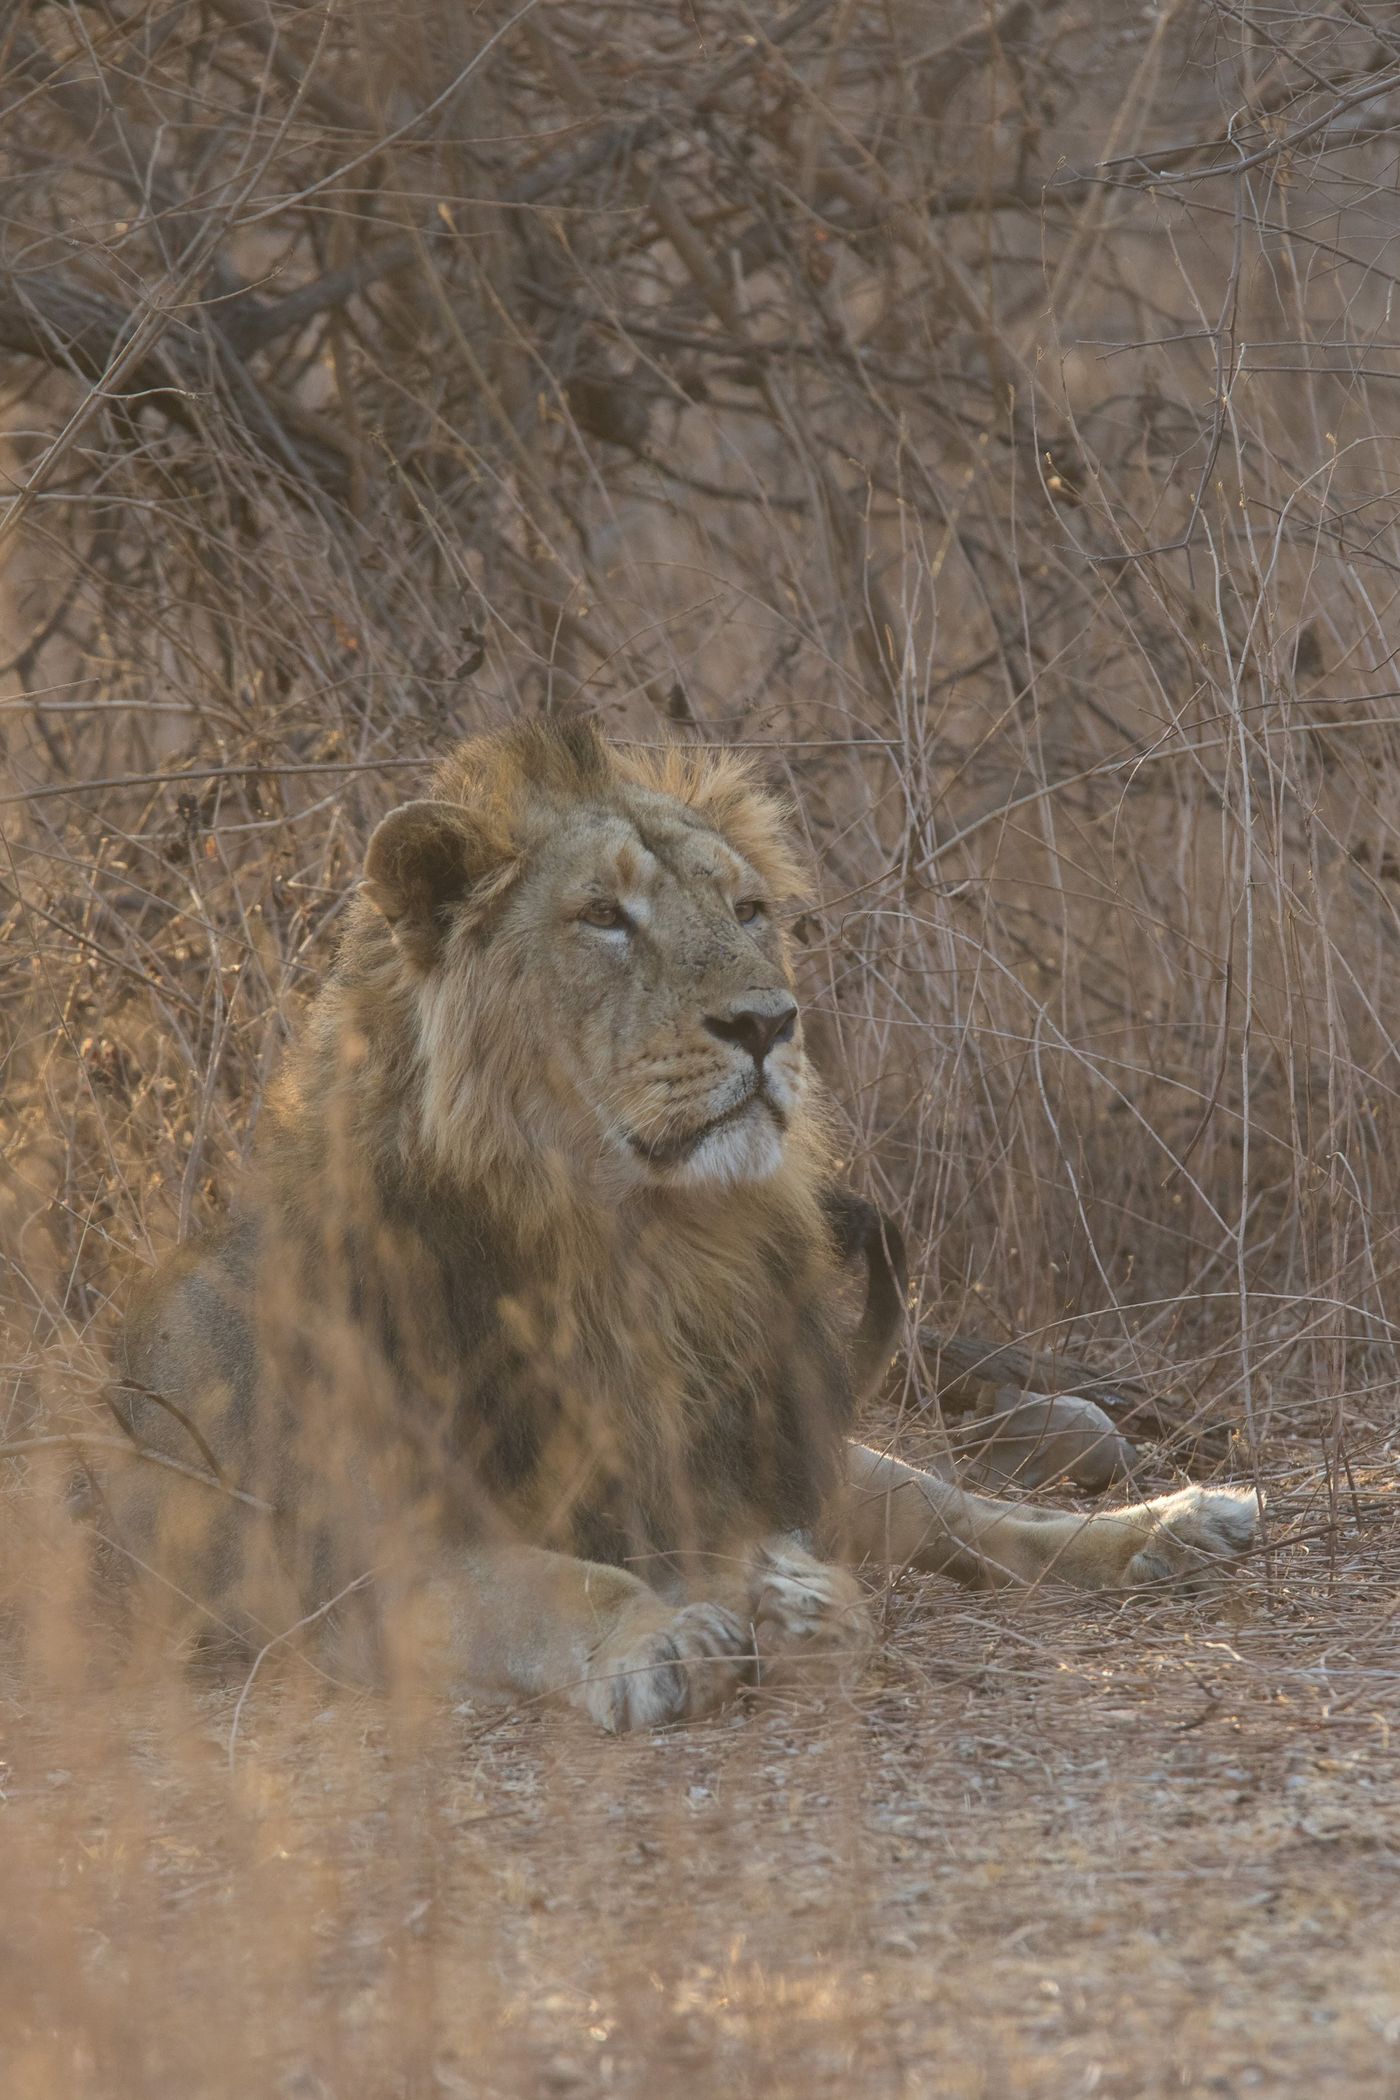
column 1188, row 1535
column 894, row 1513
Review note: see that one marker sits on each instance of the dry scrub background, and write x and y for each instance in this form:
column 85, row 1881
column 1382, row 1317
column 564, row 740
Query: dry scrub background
column 985, row 414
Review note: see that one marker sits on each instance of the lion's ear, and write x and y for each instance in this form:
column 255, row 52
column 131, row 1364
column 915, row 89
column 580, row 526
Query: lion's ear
column 423, row 860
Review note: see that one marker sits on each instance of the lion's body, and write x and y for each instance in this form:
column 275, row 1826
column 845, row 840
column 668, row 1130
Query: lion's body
column 536, row 1287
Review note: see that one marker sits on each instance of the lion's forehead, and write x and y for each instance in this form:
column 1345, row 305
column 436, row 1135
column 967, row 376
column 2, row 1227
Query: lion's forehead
column 639, row 853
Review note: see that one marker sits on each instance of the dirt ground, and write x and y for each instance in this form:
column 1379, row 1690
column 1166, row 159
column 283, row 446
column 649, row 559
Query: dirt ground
column 1052, row 1846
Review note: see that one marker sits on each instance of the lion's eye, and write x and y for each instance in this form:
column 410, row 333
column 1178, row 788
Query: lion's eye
column 603, row 912
column 747, row 910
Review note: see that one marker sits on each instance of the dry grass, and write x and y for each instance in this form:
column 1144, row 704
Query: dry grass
column 986, row 417
column 1050, row 1847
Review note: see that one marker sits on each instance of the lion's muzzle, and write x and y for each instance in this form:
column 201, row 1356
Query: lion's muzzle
column 755, row 1027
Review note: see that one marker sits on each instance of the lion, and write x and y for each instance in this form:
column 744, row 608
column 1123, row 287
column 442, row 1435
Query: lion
column 524, row 1358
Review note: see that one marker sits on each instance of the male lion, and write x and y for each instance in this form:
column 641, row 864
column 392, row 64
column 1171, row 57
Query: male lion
column 528, row 1332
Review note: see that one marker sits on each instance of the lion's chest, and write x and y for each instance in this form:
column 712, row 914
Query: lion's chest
column 644, row 1393
column 661, row 1418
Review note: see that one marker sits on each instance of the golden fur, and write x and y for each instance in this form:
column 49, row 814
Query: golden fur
column 528, row 1333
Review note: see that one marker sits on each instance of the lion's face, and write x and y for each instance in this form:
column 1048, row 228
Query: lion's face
column 647, row 948
column 621, row 968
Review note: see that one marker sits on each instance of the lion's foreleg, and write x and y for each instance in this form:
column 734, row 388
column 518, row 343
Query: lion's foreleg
column 894, row 1513
column 517, row 1621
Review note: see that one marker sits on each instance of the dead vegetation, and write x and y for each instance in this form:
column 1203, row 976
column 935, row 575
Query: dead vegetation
column 985, row 414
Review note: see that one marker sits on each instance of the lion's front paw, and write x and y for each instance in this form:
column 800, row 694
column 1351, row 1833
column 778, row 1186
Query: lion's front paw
column 655, row 1668
column 811, row 1621
column 1188, row 1537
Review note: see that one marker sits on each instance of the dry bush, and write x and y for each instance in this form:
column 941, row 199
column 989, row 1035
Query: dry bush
column 981, row 413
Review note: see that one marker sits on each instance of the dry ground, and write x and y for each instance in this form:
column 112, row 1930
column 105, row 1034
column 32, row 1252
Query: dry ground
column 1053, row 1846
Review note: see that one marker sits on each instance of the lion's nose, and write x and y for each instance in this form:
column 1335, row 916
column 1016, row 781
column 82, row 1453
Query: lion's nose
column 754, row 1029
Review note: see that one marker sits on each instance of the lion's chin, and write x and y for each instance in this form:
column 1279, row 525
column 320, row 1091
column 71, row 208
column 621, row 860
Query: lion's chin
column 749, row 1149
column 744, row 1144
